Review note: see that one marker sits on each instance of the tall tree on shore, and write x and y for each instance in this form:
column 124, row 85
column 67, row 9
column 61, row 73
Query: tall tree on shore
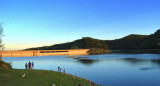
column 1, row 34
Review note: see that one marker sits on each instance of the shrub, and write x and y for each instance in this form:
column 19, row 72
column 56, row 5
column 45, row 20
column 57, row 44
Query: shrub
column 5, row 65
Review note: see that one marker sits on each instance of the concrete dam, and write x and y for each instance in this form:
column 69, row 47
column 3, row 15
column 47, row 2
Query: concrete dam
column 28, row 53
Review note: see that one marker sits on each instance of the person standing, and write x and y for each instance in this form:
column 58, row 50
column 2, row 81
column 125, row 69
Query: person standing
column 32, row 65
column 29, row 64
column 26, row 65
column 58, row 68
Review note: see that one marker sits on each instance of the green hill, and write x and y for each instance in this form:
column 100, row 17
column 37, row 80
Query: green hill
column 133, row 41
column 129, row 42
column 152, row 41
column 84, row 43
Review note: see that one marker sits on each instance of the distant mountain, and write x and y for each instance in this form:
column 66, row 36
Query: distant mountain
column 133, row 41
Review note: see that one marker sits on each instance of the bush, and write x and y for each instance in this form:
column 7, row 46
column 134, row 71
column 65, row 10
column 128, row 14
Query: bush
column 5, row 65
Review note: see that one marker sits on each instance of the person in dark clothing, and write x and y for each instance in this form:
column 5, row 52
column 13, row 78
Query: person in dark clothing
column 26, row 65
column 58, row 68
column 32, row 65
column 29, row 64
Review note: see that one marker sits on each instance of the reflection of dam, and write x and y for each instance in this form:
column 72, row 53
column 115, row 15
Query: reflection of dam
column 43, row 52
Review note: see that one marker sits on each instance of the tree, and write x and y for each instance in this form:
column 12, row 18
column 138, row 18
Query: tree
column 1, row 34
column 74, row 47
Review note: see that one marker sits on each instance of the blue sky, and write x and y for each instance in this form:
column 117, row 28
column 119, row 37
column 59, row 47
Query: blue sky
column 32, row 23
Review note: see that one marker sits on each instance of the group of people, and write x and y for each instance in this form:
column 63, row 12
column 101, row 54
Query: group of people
column 29, row 65
column 60, row 69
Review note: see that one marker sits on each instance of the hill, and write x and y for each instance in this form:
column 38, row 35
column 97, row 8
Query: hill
column 133, row 41
column 84, row 43
column 152, row 41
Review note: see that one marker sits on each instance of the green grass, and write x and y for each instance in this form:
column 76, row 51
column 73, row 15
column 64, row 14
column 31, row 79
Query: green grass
column 12, row 77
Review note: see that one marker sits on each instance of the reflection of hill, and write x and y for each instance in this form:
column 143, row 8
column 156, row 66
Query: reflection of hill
column 142, row 51
column 135, row 61
column 156, row 61
column 87, row 61
column 147, row 68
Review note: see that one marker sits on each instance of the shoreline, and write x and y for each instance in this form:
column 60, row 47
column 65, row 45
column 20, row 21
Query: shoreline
column 36, row 77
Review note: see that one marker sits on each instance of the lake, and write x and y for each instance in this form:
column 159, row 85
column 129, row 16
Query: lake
column 106, row 69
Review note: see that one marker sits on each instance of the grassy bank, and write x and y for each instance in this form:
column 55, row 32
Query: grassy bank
column 4, row 65
column 13, row 77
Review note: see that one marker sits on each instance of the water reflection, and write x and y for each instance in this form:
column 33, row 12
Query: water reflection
column 148, row 51
column 134, row 61
column 157, row 61
column 87, row 61
column 128, row 60
column 147, row 68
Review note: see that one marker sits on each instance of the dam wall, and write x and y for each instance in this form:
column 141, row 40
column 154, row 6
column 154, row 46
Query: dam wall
column 29, row 53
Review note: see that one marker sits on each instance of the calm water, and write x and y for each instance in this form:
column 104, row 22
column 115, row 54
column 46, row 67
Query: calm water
column 107, row 69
